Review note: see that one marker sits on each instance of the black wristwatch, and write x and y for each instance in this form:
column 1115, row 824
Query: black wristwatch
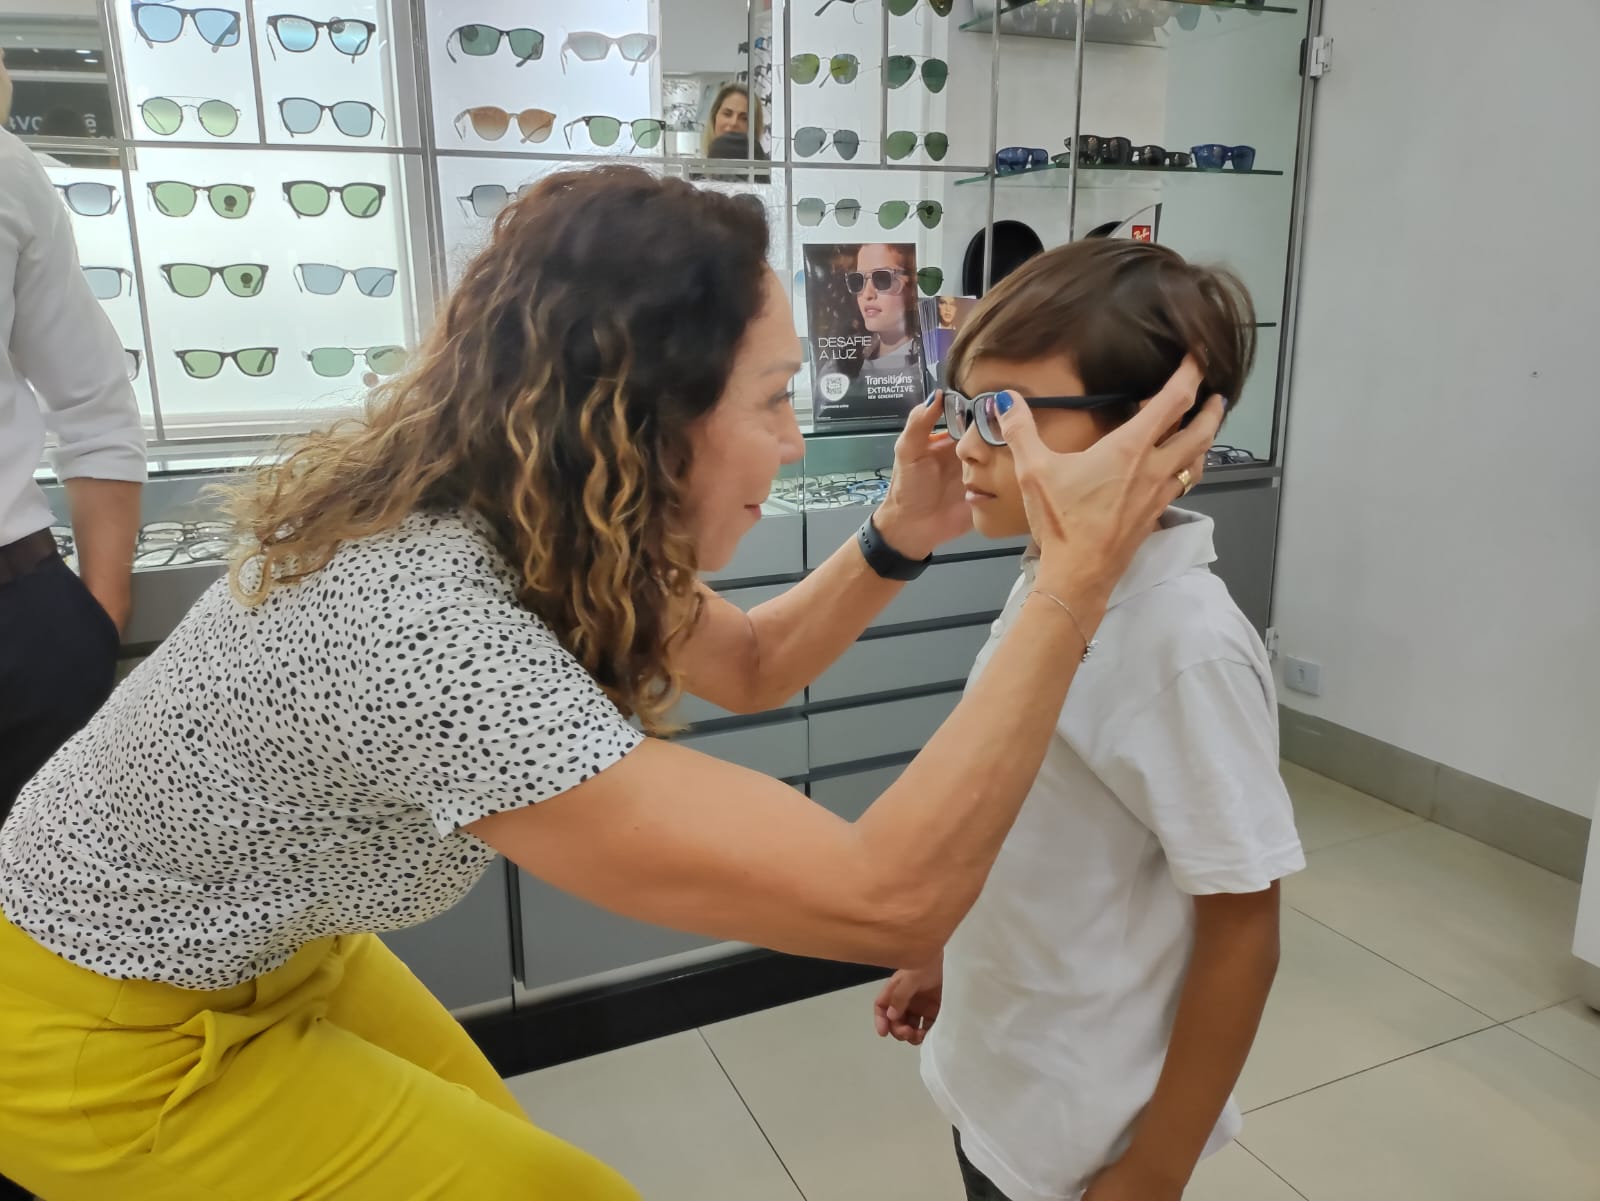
column 884, row 559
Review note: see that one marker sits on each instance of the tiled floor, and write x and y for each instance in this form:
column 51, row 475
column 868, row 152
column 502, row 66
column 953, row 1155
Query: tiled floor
column 1422, row 1044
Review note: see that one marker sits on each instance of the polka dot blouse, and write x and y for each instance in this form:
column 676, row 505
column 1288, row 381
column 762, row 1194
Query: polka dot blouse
column 274, row 775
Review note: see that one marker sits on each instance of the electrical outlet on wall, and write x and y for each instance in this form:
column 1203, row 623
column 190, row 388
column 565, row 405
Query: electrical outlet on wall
column 1271, row 641
column 1302, row 675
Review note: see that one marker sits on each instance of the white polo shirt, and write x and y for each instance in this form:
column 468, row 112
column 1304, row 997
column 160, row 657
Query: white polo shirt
column 1161, row 783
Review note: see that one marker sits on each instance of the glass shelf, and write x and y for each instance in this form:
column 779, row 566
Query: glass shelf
column 1124, row 24
column 1055, row 176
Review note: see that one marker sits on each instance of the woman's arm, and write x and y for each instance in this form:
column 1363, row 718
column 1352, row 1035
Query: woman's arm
column 747, row 662
column 680, row 839
column 1230, row 974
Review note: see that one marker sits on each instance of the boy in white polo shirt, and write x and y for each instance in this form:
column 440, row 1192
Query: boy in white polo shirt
column 1096, row 1006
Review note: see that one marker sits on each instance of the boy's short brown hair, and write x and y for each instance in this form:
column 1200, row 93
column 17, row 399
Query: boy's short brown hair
column 1124, row 312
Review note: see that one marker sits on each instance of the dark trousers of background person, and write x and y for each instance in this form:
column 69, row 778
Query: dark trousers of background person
column 58, row 659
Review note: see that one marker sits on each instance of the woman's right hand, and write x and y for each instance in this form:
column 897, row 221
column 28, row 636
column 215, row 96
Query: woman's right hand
column 1090, row 511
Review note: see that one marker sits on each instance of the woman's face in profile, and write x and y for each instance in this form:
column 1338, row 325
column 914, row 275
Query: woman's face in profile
column 885, row 312
column 733, row 115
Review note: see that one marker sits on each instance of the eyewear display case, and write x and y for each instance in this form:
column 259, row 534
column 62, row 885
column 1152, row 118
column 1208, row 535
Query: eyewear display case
column 288, row 187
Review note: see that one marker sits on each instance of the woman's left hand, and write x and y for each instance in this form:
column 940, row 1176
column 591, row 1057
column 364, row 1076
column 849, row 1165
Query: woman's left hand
column 927, row 502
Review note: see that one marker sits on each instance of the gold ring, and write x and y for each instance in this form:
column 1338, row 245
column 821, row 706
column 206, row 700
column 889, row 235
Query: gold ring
column 1185, row 480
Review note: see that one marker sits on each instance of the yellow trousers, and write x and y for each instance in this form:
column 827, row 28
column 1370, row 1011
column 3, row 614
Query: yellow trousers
column 336, row 1076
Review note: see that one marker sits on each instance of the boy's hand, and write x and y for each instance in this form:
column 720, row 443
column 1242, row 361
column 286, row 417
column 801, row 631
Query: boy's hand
column 909, row 1004
column 1128, row 1180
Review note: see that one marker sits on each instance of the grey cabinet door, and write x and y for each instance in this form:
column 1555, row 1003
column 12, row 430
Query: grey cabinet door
column 849, row 796
column 954, row 590
column 777, row 749
column 692, row 709
column 873, row 731
column 902, row 661
column 1247, row 540
column 464, row 954
column 775, row 547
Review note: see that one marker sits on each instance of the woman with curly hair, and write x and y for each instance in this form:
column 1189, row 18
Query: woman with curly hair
column 428, row 650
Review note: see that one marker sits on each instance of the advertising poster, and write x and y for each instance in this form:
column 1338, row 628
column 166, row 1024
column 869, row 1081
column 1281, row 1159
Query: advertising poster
column 866, row 345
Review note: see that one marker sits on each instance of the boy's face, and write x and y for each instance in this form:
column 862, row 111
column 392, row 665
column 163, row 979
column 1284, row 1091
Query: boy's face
column 987, row 471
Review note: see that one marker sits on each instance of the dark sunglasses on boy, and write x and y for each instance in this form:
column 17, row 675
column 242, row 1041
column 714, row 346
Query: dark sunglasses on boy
column 962, row 413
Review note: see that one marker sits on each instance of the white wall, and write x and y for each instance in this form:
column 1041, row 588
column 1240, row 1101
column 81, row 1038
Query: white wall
column 703, row 35
column 1441, row 528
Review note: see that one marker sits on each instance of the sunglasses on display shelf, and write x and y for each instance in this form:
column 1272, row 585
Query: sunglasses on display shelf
column 353, row 118
column 164, row 115
column 842, row 68
column 487, row 199
column 331, row 362
column 90, row 199
column 160, row 24
column 308, row 198
column 902, row 67
column 962, row 413
column 902, row 142
column 1159, row 156
column 483, row 41
column 176, row 199
column 165, row 543
column 810, row 140
column 898, row 8
column 1012, row 159
column 108, row 283
column 592, row 47
column 1229, row 456
column 604, row 131
column 1214, row 156
column 491, row 123
column 256, row 362
column 810, row 211
column 193, row 280
column 133, row 361
column 298, row 35
column 1096, row 151
column 324, row 279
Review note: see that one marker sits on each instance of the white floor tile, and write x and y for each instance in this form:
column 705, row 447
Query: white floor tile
column 1328, row 813
column 1233, row 1174
column 845, row 1109
column 664, row 1115
column 1489, row 1118
column 1489, row 929
column 1572, row 1031
column 1337, row 1009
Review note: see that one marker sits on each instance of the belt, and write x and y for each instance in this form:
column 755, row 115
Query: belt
column 18, row 558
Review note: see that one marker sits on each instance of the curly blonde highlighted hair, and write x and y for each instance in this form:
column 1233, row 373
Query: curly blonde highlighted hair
column 555, row 396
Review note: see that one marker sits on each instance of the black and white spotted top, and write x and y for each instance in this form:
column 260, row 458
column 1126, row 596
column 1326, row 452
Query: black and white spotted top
column 273, row 775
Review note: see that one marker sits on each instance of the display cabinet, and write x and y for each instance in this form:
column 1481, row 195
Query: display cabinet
column 271, row 199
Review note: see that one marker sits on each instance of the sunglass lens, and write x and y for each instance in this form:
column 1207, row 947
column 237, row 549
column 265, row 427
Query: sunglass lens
column 935, row 73
column 353, row 118
column 930, row 213
column 376, row 282
column 891, row 215
column 330, row 362
column 604, row 131
column 647, row 133
column 161, row 115
column 808, row 140
column 536, row 124
column 173, row 199
column 104, row 282
column 488, row 199
column 300, row 115
column 244, row 279
column 157, row 22
column 847, row 142
column 256, row 362
column 809, row 211
column 901, row 143
column 386, row 360
column 349, row 37
column 218, row 26
column 901, row 68
column 526, row 44
column 489, row 122
column 230, row 200
column 309, row 199
column 189, row 280
column 591, row 48
column 900, row 7
column 480, row 41
column 636, row 47
column 363, row 199
column 803, row 68
column 1244, row 157
column 1209, row 157
column 296, row 34
column 219, row 118
column 201, row 364
column 321, row 279
column 847, row 211
column 930, row 280
column 955, row 413
column 942, row 7
column 937, row 145
column 845, row 68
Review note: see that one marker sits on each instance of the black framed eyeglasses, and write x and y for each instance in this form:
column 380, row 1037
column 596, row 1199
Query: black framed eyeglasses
column 962, row 413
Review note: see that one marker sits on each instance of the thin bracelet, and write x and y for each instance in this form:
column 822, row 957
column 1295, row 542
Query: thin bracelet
column 1089, row 644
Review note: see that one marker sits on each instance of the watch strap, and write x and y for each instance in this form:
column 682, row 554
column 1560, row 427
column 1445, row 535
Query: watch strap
column 883, row 558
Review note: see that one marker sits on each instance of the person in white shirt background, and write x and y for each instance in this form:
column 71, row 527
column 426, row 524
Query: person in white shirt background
column 1091, row 1014
column 63, row 372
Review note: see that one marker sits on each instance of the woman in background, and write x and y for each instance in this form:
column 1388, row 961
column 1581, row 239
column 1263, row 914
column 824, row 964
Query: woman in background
column 731, row 113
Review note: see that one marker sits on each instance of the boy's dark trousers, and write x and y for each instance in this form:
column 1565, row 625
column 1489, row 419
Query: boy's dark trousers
column 979, row 1186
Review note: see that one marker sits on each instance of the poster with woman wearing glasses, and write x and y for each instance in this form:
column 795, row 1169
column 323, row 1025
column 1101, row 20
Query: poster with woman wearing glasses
column 866, row 350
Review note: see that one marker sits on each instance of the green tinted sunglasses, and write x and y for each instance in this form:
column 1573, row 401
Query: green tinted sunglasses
column 903, row 141
column 163, row 115
column 206, row 364
column 804, row 68
column 901, row 7
column 175, row 199
column 935, row 71
column 311, row 199
column 894, row 213
column 193, row 280
column 334, row 361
